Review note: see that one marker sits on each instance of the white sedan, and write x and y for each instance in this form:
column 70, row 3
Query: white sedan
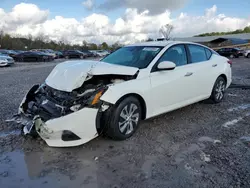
column 83, row 99
column 6, row 60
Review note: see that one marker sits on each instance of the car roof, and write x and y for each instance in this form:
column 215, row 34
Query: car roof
column 162, row 43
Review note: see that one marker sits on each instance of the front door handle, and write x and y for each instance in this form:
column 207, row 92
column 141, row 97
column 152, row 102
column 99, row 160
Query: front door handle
column 189, row 74
column 214, row 65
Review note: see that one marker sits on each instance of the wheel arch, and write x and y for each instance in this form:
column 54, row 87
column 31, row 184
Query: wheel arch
column 140, row 99
column 223, row 76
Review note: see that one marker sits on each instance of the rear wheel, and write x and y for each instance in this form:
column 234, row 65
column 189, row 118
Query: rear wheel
column 231, row 56
column 124, row 119
column 218, row 90
column 67, row 57
column 248, row 55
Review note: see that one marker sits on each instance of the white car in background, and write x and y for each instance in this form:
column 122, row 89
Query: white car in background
column 100, row 53
column 83, row 99
column 247, row 53
column 6, row 60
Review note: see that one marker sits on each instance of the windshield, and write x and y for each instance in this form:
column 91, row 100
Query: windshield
column 133, row 56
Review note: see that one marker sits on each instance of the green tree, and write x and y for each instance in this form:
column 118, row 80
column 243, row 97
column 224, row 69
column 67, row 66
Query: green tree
column 104, row 46
column 93, row 46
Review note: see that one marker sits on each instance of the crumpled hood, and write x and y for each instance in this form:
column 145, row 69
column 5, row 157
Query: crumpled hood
column 70, row 75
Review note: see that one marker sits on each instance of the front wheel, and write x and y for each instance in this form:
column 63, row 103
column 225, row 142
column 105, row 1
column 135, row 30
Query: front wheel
column 124, row 119
column 218, row 90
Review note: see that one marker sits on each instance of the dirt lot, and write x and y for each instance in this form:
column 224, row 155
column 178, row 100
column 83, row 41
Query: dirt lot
column 202, row 145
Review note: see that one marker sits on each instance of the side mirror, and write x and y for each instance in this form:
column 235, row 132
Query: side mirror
column 166, row 65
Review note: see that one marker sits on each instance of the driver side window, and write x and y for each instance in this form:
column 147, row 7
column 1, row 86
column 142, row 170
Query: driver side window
column 176, row 54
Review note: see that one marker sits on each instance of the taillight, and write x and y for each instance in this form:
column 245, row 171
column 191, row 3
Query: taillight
column 230, row 62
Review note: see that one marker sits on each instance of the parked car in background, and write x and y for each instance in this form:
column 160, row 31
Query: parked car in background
column 10, row 53
column 59, row 54
column 33, row 56
column 46, row 51
column 230, row 52
column 102, row 53
column 6, row 60
column 81, row 99
column 247, row 53
column 74, row 54
column 19, row 51
column 88, row 53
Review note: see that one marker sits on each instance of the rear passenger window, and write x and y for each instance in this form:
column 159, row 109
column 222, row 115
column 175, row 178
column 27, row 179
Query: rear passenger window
column 197, row 53
column 208, row 53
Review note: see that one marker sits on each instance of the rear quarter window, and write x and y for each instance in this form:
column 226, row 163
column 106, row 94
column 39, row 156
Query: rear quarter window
column 208, row 53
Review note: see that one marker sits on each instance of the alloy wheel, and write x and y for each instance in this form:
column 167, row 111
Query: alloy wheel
column 129, row 118
column 220, row 89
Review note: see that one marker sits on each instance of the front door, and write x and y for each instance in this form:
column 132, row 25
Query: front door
column 172, row 89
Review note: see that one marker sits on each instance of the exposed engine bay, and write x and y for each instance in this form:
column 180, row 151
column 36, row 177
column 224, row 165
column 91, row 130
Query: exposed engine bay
column 50, row 103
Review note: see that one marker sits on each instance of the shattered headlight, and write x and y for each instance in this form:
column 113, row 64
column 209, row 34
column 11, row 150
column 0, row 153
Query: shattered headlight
column 95, row 99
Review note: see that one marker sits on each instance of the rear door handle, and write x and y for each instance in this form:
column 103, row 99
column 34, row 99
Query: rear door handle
column 189, row 74
column 215, row 65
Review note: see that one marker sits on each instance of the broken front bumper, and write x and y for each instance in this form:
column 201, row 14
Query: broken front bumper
column 71, row 130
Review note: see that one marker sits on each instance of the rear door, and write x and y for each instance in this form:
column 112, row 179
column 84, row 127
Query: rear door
column 205, row 67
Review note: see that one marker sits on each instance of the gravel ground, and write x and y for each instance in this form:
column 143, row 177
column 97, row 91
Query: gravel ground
column 202, row 145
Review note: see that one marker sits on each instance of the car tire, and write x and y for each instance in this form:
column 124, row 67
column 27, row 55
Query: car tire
column 81, row 57
column 248, row 55
column 66, row 57
column 124, row 119
column 218, row 91
column 231, row 56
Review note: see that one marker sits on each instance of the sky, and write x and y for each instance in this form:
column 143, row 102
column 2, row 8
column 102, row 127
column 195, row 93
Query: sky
column 123, row 21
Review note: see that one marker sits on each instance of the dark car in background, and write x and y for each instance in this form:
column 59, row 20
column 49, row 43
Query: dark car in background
column 33, row 56
column 89, row 53
column 231, row 52
column 59, row 54
column 74, row 54
column 10, row 53
column 19, row 51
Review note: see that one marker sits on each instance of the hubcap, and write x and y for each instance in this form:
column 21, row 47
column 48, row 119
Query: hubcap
column 129, row 118
column 220, row 89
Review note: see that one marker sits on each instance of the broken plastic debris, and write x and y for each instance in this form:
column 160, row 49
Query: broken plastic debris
column 231, row 123
column 75, row 107
column 208, row 139
column 104, row 107
column 205, row 157
column 217, row 141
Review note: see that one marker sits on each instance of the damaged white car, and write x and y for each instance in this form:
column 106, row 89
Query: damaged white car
column 83, row 99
